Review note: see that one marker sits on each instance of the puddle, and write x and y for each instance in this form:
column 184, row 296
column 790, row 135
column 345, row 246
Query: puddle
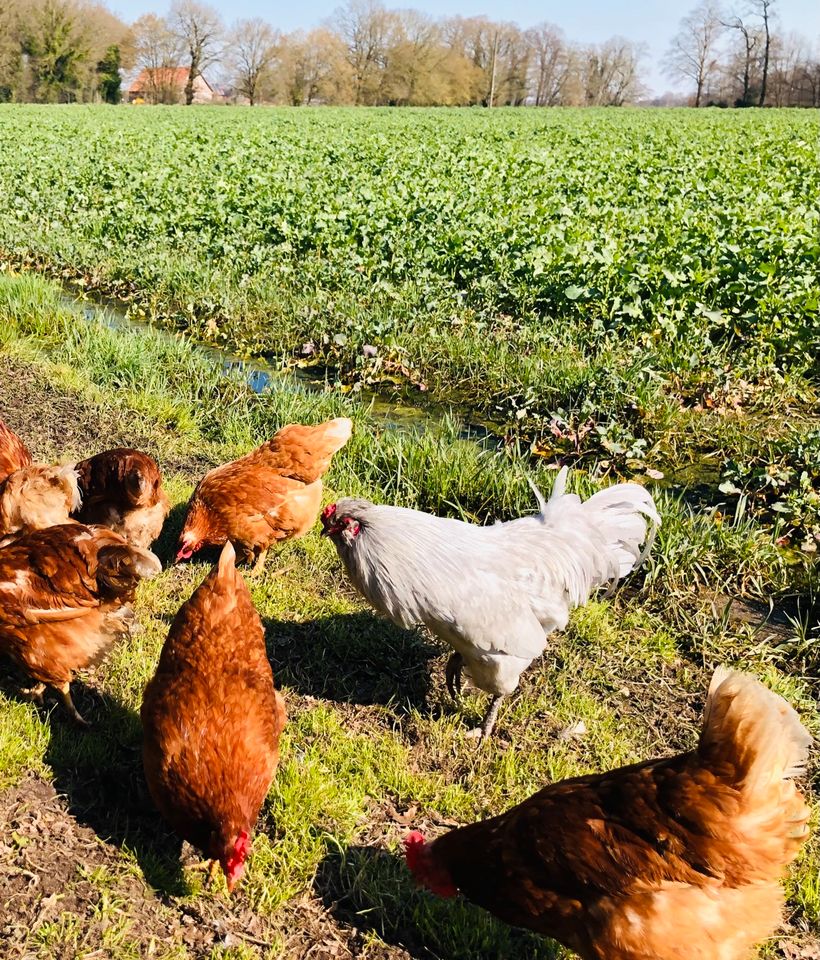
column 394, row 413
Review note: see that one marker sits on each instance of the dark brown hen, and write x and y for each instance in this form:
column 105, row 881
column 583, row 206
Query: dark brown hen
column 212, row 720
column 122, row 489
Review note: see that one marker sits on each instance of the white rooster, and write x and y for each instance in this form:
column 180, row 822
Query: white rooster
column 493, row 593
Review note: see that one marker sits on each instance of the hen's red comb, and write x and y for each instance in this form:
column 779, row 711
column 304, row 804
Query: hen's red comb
column 329, row 510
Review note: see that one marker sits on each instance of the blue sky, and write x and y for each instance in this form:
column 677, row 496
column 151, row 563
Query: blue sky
column 651, row 21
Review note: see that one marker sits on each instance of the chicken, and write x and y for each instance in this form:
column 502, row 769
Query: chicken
column 492, row 593
column 38, row 496
column 212, row 720
column 676, row 859
column 13, row 452
column 64, row 598
column 122, row 489
column 272, row 494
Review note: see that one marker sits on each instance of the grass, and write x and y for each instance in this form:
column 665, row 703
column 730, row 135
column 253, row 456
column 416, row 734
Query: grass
column 630, row 271
column 373, row 743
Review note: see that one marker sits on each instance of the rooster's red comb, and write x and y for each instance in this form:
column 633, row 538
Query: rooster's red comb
column 329, row 510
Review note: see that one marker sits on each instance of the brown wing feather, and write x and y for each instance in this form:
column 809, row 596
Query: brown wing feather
column 13, row 452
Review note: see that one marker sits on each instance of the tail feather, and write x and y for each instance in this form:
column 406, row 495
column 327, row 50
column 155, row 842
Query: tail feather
column 754, row 729
column 628, row 518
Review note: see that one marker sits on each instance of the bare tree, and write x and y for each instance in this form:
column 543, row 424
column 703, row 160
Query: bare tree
column 364, row 26
column 612, row 72
column 313, row 68
column 252, row 48
column 693, row 53
column 763, row 9
column 749, row 39
column 199, row 29
column 157, row 52
column 549, row 63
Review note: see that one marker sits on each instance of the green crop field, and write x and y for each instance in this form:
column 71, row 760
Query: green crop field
column 634, row 293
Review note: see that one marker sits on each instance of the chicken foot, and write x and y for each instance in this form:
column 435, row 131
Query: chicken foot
column 65, row 695
column 34, row 693
column 259, row 566
column 452, row 675
column 488, row 723
column 212, row 868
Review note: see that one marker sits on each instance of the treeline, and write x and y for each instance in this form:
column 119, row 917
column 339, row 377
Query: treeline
column 76, row 50
column 53, row 51
column 737, row 57
column 70, row 50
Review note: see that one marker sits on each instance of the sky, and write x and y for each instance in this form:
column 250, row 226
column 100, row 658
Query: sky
column 653, row 23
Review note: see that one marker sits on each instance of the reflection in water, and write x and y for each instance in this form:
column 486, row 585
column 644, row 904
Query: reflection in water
column 394, row 413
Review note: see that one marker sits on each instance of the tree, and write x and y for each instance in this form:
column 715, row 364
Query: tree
column 312, row 68
column 749, row 39
column 693, row 54
column 157, row 52
column 108, row 70
column 11, row 51
column 611, row 72
column 252, row 48
column 56, row 47
column 549, row 63
column 199, row 30
column 364, row 26
column 763, row 8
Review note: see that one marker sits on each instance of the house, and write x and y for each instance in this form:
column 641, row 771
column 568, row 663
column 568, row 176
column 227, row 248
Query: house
column 167, row 85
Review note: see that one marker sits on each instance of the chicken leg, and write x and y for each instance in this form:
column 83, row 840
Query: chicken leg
column 483, row 732
column 65, row 693
column 34, row 693
column 259, row 566
column 452, row 675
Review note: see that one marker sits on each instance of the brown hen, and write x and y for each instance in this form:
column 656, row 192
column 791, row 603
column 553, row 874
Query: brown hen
column 676, row 859
column 64, row 597
column 212, row 720
column 38, row 496
column 13, row 452
column 122, row 489
column 270, row 495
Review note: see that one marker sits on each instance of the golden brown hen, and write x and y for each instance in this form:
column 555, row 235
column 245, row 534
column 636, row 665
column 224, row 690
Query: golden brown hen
column 122, row 489
column 676, row 859
column 212, row 720
column 64, row 597
column 38, row 496
column 272, row 494
column 13, row 452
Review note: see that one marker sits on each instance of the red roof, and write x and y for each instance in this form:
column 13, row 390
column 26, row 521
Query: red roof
column 160, row 77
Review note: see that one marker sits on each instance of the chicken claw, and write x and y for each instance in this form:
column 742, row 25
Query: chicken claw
column 65, row 693
column 34, row 693
column 453, row 675
column 259, row 566
column 483, row 732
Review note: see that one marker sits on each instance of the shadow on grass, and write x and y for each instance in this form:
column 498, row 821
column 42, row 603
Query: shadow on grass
column 99, row 771
column 371, row 889
column 165, row 546
column 354, row 658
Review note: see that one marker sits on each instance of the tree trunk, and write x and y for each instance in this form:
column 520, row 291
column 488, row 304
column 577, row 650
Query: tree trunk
column 762, row 100
column 699, row 92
